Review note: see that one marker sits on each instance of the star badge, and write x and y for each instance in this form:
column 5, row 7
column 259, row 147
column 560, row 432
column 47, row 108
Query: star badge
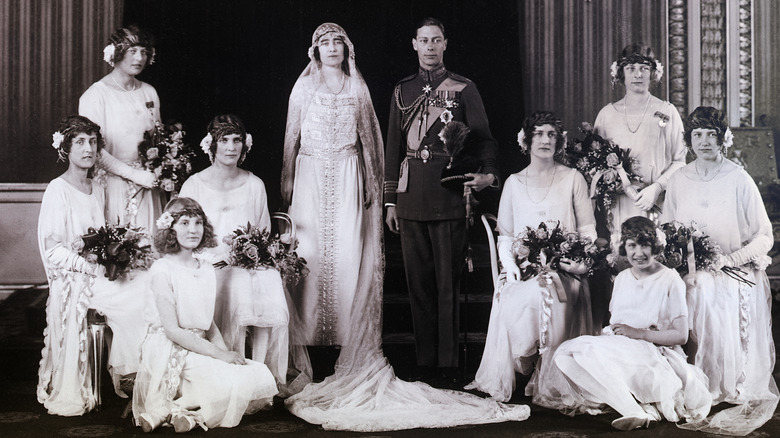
column 427, row 89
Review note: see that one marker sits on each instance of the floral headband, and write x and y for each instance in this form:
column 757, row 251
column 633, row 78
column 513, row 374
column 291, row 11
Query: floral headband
column 130, row 41
column 167, row 219
column 205, row 146
column 635, row 58
column 326, row 28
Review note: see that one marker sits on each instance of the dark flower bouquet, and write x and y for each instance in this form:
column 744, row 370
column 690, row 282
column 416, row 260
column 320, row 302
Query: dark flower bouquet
column 680, row 240
column 608, row 168
column 253, row 248
column 119, row 248
column 163, row 152
column 539, row 250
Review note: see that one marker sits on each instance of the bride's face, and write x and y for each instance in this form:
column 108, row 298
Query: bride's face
column 331, row 48
column 229, row 148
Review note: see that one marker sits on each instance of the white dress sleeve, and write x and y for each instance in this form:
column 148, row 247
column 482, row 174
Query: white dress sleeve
column 754, row 224
column 583, row 207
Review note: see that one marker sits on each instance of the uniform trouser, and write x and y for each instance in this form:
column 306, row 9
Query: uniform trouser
column 433, row 254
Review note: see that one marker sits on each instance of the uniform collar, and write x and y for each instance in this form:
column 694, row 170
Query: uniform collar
column 433, row 75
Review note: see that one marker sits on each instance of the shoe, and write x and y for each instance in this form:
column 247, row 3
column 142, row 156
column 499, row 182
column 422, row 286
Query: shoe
column 146, row 422
column 631, row 423
column 182, row 423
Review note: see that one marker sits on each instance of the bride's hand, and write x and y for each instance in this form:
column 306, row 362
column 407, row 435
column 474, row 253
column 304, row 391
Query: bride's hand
column 572, row 267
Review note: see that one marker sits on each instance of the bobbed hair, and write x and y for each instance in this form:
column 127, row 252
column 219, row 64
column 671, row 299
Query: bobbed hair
column 430, row 21
column 70, row 127
column 227, row 124
column 540, row 118
column 131, row 36
column 642, row 231
column 706, row 117
column 636, row 53
column 165, row 239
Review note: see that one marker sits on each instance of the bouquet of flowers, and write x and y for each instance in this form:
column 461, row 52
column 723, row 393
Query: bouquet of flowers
column 682, row 240
column 163, row 152
column 608, row 169
column 539, row 250
column 253, row 248
column 119, row 248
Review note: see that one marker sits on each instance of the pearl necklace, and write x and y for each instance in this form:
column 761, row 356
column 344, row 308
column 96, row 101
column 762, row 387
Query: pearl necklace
column 625, row 115
column 120, row 86
column 696, row 167
column 552, row 180
column 343, row 82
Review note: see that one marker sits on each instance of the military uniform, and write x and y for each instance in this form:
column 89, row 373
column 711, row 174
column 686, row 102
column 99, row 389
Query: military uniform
column 432, row 218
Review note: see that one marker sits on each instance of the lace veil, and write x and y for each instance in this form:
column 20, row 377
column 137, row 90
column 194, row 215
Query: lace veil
column 364, row 394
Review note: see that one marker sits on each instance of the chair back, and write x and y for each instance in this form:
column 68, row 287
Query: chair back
column 285, row 227
column 490, row 222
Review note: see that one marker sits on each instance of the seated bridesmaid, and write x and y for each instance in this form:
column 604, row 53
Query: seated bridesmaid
column 528, row 319
column 188, row 377
column 72, row 204
column 730, row 321
column 231, row 197
column 636, row 366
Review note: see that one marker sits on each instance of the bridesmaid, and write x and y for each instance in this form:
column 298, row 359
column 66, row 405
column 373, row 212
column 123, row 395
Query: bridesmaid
column 231, row 197
column 71, row 204
column 125, row 108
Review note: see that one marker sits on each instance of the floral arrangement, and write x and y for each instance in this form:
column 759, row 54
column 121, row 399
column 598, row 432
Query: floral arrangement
column 681, row 239
column 539, row 250
column 119, row 248
column 608, row 169
column 253, row 248
column 163, row 152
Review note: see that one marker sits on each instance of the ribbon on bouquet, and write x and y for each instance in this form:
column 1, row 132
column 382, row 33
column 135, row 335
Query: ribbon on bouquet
column 627, row 187
column 551, row 279
column 691, row 257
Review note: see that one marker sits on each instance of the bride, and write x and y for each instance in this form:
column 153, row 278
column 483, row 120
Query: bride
column 363, row 394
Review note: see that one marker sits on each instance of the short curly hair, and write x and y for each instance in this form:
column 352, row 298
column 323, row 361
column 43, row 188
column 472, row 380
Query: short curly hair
column 227, row 124
column 165, row 240
column 636, row 53
column 70, row 127
column 131, row 36
column 540, row 118
column 642, row 231
column 706, row 117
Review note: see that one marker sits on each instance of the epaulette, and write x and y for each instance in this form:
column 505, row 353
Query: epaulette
column 458, row 77
column 406, row 79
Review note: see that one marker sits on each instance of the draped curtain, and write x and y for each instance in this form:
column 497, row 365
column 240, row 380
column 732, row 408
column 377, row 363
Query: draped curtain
column 50, row 52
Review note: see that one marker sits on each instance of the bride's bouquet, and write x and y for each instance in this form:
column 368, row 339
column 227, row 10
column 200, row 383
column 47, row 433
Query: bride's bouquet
column 253, row 248
column 164, row 153
column 119, row 248
column 538, row 251
column 686, row 245
column 608, row 168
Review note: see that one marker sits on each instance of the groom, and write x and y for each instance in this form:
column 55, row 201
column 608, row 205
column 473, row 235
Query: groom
column 429, row 217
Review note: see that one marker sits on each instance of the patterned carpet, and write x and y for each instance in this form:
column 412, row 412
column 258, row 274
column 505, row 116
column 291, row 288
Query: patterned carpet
column 22, row 416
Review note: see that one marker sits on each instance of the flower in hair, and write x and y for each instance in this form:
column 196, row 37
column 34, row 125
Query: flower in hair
column 660, row 237
column 57, row 139
column 728, row 139
column 521, row 140
column 659, row 70
column 205, row 144
column 164, row 221
column 613, row 70
column 108, row 54
column 248, row 142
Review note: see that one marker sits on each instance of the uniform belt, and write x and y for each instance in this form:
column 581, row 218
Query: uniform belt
column 425, row 154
